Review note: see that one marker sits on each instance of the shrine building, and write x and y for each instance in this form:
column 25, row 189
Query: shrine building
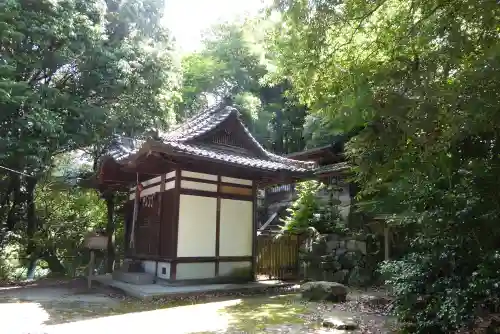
column 190, row 211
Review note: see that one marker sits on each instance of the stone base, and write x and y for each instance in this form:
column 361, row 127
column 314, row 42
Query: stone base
column 133, row 278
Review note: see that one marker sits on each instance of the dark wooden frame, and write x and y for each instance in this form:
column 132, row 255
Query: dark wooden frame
column 171, row 221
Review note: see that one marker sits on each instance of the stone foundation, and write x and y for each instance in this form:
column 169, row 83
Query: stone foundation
column 338, row 259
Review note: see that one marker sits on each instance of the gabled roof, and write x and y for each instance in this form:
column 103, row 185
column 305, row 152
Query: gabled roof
column 189, row 139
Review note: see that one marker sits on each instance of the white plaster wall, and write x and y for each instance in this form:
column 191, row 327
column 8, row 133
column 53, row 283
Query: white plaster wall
column 197, row 220
column 169, row 185
column 202, row 176
column 236, row 228
column 198, row 185
column 165, row 265
column 226, row 268
column 170, row 175
column 234, row 180
column 195, row 270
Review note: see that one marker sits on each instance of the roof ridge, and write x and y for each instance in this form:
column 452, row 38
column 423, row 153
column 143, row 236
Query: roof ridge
column 200, row 123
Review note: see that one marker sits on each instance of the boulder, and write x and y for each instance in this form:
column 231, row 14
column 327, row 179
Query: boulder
column 321, row 290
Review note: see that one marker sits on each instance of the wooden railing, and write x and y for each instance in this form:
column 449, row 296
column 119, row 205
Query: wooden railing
column 281, row 188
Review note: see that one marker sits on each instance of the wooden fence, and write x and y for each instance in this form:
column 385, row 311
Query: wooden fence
column 277, row 257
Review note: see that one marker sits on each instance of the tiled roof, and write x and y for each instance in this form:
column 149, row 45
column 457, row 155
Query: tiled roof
column 181, row 140
column 199, row 124
column 337, row 167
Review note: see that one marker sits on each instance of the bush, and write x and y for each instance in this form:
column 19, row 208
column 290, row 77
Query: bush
column 313, row 210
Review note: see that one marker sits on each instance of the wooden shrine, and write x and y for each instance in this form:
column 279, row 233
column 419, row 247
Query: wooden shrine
column 190, row 213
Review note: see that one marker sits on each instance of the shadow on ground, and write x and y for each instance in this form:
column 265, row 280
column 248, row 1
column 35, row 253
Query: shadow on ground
column 65, row 308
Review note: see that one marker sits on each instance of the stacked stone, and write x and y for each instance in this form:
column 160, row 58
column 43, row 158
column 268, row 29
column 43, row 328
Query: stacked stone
column 338, row 259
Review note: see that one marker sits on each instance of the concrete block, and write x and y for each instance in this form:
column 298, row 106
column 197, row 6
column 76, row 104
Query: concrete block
column 133, row 278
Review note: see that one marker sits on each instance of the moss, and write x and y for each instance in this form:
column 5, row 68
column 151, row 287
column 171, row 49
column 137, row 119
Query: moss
column 257, row 313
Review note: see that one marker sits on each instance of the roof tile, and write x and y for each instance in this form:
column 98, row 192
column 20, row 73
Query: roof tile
column 181, row 139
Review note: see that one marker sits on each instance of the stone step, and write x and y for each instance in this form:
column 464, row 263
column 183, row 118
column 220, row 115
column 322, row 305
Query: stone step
column 133, row 278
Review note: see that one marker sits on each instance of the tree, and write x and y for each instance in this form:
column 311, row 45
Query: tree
column 66, row 212
column 73, row 74
column 315, row 208
column 420, row 78
column 233, row 63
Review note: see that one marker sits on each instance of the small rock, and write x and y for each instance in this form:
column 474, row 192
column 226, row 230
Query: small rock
column 338, row 323
column 321, row 290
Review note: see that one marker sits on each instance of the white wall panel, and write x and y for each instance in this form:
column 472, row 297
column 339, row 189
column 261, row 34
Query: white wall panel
column 169, row 185
column 236, row 181
column 196, row 175
column 198, row 185
column 236, row 228
column 195, row 270
column 170, row 175
column 196, row 236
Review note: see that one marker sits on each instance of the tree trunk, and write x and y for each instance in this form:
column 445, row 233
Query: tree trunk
column 110, row 231
column 13, row 187
column 55, row 266
column 31, row 226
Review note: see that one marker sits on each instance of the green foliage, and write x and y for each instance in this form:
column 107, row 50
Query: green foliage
column 313, row 209
column 66, row 213
column 233, row 63
column 421, row 78
column 73, row 75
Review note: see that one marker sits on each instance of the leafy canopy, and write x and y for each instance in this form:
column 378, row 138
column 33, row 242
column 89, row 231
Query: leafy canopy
column 421, row 78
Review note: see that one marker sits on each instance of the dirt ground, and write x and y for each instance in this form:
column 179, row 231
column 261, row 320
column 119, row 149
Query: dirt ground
column 52, row 307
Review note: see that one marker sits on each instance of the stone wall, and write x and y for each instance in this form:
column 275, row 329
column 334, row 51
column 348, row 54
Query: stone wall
column 338, row 259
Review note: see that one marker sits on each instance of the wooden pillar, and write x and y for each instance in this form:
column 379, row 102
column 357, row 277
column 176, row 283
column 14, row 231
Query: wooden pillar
column 217, row 227
column 91, row 268
column 254, row 230
column 386, row 242
column 110, row 231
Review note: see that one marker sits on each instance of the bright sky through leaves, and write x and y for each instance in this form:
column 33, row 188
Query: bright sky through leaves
column 188, row 19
